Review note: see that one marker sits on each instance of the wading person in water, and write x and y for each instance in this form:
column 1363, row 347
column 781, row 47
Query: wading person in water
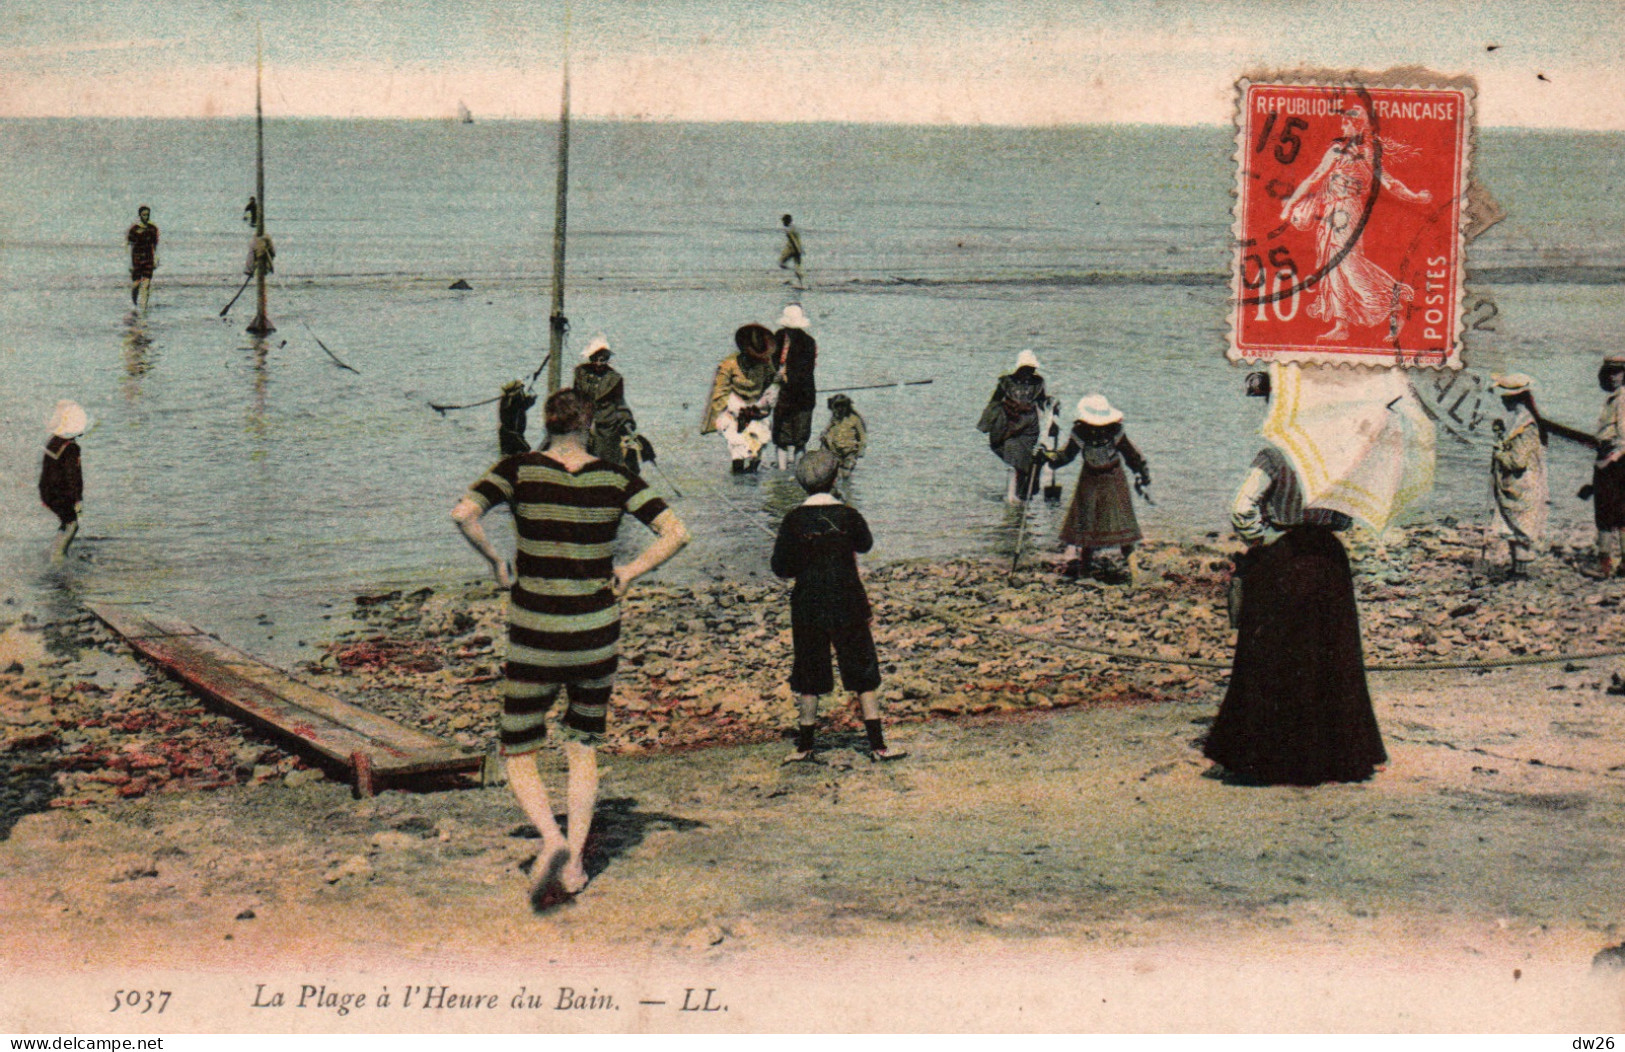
column 614, row 435
column 1518, row 472
column 563, row 616
column 512, row 406
column 1608, row 475
column 61, row 479
column 1010, row 422
column 846, row 435
column 818, row 546
column 1102, row 511
column 143, row 241
column 742, row 397
column 792, row 248
column 798, row 388
column 1297, row 711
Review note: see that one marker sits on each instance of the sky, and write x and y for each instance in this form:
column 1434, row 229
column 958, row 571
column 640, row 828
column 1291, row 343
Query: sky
column 1039, row 62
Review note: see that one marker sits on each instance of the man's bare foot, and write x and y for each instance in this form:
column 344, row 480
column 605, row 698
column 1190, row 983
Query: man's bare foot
column 574, row 879
column 546, row 888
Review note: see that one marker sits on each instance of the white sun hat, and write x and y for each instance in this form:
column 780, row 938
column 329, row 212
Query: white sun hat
column 599, row 342
column 1094, row 409
column 69, row 420
column 1026, row 358
column 793, row 317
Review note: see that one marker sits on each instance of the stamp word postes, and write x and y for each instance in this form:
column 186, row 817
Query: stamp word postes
column 1349, row 215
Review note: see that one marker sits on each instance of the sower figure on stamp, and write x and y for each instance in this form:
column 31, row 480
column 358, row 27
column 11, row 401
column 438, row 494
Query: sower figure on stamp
column 1102, row 511
column 1010, row 422
column 798, row 388
column 1608, row 475
column 1354, row 290
column 61, row 479
column 143, row 241
column 742, row 397
column 1518, row 472
column 563, row 616
column 818, row 546
column 1297, row 710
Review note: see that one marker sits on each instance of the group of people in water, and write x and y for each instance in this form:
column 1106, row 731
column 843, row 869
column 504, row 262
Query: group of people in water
column 1296, row 709
column 767, row 391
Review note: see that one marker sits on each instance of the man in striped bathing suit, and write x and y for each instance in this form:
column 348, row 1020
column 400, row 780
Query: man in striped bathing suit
column 563, row 615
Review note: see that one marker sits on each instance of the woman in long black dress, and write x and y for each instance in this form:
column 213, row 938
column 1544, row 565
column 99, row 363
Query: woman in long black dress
column 1297, row 711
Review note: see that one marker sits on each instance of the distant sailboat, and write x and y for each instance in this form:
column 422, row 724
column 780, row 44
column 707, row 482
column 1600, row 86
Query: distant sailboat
column 463, row 115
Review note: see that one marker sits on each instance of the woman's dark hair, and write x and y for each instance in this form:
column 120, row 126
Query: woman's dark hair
column 567, row 411
column 1615, row 369
column 754, row 339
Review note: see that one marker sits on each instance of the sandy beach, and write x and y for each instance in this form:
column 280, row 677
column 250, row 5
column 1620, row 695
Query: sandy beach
column 1054, row 854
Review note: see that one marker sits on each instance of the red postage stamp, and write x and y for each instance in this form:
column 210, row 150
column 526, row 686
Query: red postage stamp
column 1350, row 206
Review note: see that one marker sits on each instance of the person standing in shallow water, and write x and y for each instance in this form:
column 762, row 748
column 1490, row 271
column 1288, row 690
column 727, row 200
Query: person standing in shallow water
column 846, row 435
column 798, row 386
column 61, row 477
column 792, row 248
column 1297, row 710
column 143, row 241
column 613, row 425
column 563, row 616
column 818, row 545
column 742, row 397
column 1010, row 422
column 512, row 406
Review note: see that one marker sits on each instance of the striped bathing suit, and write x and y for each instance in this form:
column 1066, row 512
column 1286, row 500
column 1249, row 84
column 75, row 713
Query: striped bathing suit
column 563, row 618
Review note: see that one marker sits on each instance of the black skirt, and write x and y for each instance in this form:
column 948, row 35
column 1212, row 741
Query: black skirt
column 1297, row 711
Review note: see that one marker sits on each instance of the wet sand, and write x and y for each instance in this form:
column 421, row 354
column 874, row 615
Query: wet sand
column 1051, row 855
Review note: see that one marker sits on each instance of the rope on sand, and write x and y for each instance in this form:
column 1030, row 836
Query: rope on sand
column 1509, row 661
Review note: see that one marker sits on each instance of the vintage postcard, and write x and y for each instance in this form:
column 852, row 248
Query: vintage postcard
column 712, row 517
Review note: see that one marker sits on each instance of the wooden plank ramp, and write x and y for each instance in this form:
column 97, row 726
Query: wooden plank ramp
column 370, row 748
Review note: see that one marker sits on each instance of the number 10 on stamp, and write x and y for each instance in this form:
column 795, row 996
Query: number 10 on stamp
column 1350, row 204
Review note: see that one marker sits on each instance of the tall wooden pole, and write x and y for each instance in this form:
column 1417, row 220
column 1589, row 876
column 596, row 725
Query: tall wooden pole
column 261, row 325
column 557, row 324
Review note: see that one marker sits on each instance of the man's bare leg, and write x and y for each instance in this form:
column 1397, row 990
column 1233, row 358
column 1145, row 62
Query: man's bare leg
column 581, row 796
column 525, row 779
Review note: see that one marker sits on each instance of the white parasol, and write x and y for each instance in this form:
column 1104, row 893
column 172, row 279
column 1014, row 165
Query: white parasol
column 1358, row 438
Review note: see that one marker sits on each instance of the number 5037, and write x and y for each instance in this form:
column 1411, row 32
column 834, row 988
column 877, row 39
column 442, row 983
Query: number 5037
column 140, row 1001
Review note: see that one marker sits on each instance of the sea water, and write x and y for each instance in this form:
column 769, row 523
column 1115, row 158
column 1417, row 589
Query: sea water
column 254, row 486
